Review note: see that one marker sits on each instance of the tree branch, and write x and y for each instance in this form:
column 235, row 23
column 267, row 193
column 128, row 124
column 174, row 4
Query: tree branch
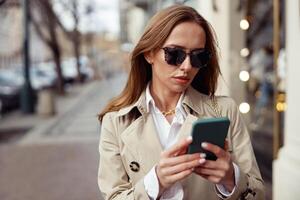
column 2, row 2
column 39, row 31
column 43, row 10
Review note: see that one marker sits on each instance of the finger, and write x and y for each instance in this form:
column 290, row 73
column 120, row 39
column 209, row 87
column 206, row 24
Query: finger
column 218, row 151
column 181, row 159
column 213, row 179
column 182, row 152
column 179, row 176
column 226, row 145
column 182, row 167
column 178, row 147
column 215, row 165
column 210, row 172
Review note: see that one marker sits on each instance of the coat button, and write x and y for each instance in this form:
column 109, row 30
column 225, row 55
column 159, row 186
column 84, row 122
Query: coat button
column 134, row 166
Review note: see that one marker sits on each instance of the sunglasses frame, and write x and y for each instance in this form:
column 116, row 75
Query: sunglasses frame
column 190, row 54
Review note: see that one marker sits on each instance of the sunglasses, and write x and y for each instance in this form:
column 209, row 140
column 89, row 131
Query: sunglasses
column 175, row 56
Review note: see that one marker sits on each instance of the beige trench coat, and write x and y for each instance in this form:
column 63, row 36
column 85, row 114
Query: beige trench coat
column 128, row 151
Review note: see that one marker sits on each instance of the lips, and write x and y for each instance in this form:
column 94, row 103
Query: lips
column 182, row 79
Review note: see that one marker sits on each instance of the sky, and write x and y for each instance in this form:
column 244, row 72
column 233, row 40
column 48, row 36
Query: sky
column 104, row 18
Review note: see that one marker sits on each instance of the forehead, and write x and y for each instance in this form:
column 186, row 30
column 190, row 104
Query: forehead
column 189, row 35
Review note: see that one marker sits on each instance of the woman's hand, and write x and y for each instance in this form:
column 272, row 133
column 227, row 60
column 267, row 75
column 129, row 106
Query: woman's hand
column 220, row 171
column 175, row 165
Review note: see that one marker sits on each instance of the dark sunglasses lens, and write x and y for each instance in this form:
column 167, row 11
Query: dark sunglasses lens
column 174, row 56
column 200, row 58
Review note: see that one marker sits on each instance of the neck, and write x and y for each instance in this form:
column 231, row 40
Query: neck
column 165, row 100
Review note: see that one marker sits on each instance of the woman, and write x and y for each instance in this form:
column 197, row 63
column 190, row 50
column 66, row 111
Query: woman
column 145, row 131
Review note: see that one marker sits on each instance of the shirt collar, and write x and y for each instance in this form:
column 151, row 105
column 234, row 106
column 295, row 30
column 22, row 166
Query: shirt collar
column 150, row 101
column 149, row 98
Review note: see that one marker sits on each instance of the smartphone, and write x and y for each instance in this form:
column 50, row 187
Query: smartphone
column 212, row 130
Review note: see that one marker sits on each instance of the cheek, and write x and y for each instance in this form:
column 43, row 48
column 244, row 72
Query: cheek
column 162, row 69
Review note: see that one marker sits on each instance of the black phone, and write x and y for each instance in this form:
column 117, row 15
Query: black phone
column 212, row 130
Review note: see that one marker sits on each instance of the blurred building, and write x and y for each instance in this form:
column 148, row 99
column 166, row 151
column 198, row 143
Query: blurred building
column 11, row 38
column 286, row 174
column 10, row 34
column 133, row 16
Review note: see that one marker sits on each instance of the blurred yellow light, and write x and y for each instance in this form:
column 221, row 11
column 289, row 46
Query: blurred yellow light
column 281, row 106
column 281, row 97
column 244, row 76
column 244, row 107
column 244, row 52
column 244, row 24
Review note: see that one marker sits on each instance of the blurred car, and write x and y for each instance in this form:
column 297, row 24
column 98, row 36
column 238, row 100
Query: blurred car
column 127, row 47
column 48, row 69
column 69, row 69
column 10, row 91
column 39, row 78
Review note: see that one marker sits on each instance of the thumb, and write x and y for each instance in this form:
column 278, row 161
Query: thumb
column 226, row 148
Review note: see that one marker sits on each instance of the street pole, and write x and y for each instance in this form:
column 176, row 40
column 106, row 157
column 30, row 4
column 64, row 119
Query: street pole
column 27, row 94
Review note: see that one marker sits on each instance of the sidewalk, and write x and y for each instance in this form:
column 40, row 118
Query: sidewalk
column 34, row 124
column 76, row 112
column 58, row 157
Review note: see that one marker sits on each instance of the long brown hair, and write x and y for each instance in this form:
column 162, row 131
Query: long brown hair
column 156, row 33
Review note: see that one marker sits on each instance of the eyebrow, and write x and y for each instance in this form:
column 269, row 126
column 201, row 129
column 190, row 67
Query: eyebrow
column 182, row 47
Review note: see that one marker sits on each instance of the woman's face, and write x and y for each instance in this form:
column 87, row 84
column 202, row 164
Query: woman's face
column 188, row 36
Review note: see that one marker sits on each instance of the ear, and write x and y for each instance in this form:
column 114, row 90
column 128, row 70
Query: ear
column 149, row 56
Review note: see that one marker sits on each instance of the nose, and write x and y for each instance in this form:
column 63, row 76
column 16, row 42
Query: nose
column 186, row 65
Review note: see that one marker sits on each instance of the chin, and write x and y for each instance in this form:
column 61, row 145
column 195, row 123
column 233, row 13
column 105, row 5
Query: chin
column 179, row 88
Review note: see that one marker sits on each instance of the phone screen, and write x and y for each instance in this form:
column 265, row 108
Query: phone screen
column 212, row 130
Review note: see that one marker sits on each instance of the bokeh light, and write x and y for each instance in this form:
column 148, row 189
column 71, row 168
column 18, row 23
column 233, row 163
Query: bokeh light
column 244, row 107
column 244, row 24
column 244, row 76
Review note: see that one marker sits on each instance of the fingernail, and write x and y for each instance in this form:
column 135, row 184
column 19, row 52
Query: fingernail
column 189, row 138
column 202, row 160
column 204, row 144
column 202, row 155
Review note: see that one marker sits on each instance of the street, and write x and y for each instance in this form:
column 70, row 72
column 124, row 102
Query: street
column 58, row 159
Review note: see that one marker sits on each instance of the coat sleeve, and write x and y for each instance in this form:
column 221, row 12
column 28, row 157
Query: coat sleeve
column 250, row 185
column 113, row 181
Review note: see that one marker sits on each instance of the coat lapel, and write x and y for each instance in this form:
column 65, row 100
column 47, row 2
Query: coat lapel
column 186, row 127
column 140, row 138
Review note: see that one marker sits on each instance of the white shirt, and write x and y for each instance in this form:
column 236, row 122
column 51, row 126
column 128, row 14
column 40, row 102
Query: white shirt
column 168, row 135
